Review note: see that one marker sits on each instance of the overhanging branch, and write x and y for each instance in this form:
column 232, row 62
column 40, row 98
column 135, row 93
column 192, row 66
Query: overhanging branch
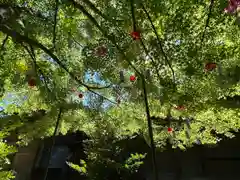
column 110, row 38
column 37, row 68
column 160, row 43
column 133, row 16
column 55, row 25
column 93, row 7
column 207, row 22
column 152, row 60
column 98, row 12
column 148, row 116
column 20, row 38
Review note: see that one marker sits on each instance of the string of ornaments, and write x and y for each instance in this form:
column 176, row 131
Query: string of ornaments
column 102, row 51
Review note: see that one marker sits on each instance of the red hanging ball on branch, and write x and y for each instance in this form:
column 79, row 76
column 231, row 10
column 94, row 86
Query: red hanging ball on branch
column 170, row 129
column 101, row 51
column 232, row 6
column 210, row 66
column 132, row 78
column 180, row 108
column 32, row 82
column 135, row 35
column 80, row 95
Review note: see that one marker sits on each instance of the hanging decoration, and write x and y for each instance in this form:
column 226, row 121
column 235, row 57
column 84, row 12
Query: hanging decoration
column 101, row 51
column 117, row 90
column 180, row 108
column 80, row 95
column 80, row 91
column 233, row 6
column 32, row 82
column 132, row 78
column 92, row 76
column 121, row 77
column 147, row 74
column 135, row 35
column 170, row 130
column 219, row 68
column 188, row 128
column 210, row 66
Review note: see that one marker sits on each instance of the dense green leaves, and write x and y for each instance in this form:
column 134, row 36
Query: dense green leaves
column 94, row 37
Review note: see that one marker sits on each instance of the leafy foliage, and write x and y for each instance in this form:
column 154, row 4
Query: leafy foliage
column 78, row 168
column 75, row 47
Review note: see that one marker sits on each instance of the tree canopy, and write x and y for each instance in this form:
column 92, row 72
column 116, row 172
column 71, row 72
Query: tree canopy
column 106, row 63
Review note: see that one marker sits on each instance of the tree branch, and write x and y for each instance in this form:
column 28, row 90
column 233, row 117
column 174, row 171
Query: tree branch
column 207, row 22
column 141, row 40
column 152, row 60
column 55, row 25
column 133, row 16
column 97, row 11
column 76, row 41
column 159, row 43
column 148, row 116
column 37, row 68
column 110, row 38
column 20, row 38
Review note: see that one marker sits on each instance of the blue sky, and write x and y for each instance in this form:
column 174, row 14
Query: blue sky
column 14, row 98
column 95, row 79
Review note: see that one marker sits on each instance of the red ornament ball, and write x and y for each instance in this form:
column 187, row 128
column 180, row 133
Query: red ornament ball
column 80, row 95
column 170, row 129
column 32, row 82
column 135, row 35
column 132, row 78
column 210, row 66
column 101, row 51
column 180, row 108
column 233, row 6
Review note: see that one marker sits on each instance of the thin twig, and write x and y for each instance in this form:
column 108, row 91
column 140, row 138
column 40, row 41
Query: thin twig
column 36, row 67
column 133, row 16
column 207, row 22
column 92, row 6
column 159, row 43
column 32, row 42
column 98, row 12
column 148, row 116
column 76, row 41
column 152, row 60
column 55, row 24
column 110, row 38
